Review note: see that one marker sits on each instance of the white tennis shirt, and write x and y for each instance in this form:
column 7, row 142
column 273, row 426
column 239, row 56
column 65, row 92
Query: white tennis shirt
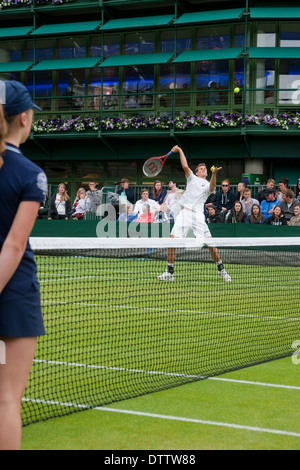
column 196, row 193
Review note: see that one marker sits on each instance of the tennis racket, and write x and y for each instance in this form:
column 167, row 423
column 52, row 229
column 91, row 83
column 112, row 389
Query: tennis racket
column 154, row 165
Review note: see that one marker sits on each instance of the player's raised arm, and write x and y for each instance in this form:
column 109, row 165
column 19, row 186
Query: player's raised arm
column 183, row 160
column 213, row 180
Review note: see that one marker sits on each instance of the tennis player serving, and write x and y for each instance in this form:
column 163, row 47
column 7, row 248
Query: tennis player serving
column 191, row 215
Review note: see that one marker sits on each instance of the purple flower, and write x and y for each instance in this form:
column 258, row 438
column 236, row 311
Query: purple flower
column 214, row 121
column 8, row 3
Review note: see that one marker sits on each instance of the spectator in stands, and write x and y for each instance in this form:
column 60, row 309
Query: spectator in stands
column 269, row 203
column 282, row 186
column 210, row 201
column 236, row 214
column 81, row 205
column 172, row 198
column 297, row 195
column 261, row 195
column 240, row 190
column 248, row 201
column 173, row 194
column 129, row 215
column 146, row 215
column 138, row 208
column 277, row 217
column 60, row 205
column 225, row 198
column 214, row 217
column 158, row 193
column 212, row 97
column 164, row 214
column 44, row 208
column 288, row 203
column 295, row 220
column 131, row 102
column 255, row 216
column 125, row 192
column 95, row 196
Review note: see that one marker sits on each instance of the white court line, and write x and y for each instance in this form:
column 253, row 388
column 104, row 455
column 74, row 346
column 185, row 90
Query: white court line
column 49, row 303
column 173, row 374
column 172, row 418
column 200, row 421
column 203, row 277
column 260, row 384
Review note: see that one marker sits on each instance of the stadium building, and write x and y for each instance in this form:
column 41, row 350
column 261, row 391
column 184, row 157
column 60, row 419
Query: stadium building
column 120, row 81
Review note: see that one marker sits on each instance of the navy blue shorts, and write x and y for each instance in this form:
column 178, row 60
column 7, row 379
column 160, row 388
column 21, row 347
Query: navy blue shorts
column 21, row 314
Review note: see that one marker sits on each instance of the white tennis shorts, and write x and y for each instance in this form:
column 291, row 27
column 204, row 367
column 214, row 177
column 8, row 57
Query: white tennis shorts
column 190, row 220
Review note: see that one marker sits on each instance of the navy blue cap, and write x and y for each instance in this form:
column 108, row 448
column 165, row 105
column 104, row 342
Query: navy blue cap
column 17, row 98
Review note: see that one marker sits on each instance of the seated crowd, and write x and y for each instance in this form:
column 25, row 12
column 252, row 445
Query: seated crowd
column 157, row 207
column 269, row 206
column 60, row 207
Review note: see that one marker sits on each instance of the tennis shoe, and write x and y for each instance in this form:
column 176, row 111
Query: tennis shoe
column 166, row 276
column 224, row 275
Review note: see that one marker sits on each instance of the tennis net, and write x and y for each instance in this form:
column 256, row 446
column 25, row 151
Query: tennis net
column 114, row 331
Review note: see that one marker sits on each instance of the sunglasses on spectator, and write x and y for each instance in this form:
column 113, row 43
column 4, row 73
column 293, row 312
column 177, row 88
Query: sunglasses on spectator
column 225, row 185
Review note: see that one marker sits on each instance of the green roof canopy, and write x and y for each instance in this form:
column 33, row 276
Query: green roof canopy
column 137, row 59
column 19, row 31
column 67, row 28
column 84, row 63
column 275, row 13
column 210, row 16
column 209, row 54
column 7, row 67
column 138, row 23
column 274, row 52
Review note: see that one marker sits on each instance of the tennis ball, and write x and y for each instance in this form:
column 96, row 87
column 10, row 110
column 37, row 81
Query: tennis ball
column 236, row 90
column 212, row 168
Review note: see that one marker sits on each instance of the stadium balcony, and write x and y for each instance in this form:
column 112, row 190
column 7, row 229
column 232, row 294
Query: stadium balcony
column 117, row 77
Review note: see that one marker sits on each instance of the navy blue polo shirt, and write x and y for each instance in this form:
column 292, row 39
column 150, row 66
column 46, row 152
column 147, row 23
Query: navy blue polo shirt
column 20, row 180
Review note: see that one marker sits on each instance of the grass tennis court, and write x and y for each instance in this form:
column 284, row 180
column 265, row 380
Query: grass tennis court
column 115, row 332
column 265, row 397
